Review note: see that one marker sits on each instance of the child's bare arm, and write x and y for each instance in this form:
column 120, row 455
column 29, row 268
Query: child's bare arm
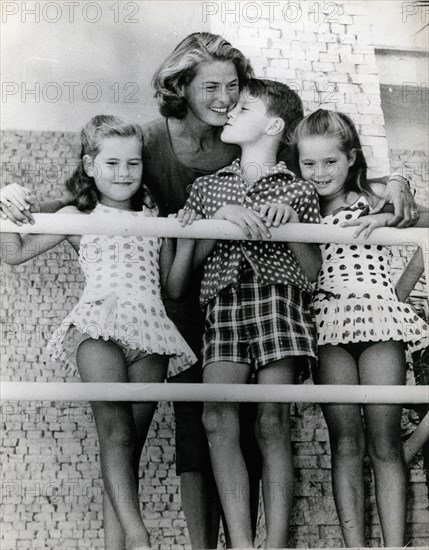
column 176, row 266
column 18, row 248
column 384, row 219
column 248, row 220
column 18, row 204
column 203, row 249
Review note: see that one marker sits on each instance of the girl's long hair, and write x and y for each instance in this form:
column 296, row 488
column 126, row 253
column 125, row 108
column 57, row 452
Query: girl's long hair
column 181, row 66
column 81, row 186
column 338, row 125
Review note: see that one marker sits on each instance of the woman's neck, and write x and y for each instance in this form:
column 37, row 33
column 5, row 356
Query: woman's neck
column 194, row 130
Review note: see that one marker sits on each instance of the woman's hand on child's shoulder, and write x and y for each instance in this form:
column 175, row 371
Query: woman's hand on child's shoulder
column 15, row 204
column 368, row 223
column 276, row 214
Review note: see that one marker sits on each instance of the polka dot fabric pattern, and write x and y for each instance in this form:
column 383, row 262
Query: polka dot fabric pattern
column 355, row 300
column 122, row 297
column 273, row 262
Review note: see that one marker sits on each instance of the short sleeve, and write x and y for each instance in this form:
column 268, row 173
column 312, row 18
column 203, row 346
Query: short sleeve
column 308, row 209
column 196, row 200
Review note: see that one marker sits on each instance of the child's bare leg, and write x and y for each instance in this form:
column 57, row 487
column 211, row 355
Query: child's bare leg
column 101, row 361
column 201, row 507
column 114, row 536
column 221, row 422
column 200, row 501
column 384, row 363
column 347, row 441
column 273, row 436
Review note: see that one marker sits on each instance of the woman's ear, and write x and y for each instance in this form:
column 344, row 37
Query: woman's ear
column 88, row 165
column 276, row 126
column 352, row 157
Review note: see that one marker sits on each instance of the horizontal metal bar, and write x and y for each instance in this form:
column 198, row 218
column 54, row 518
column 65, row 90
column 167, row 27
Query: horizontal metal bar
column 135, row 223
column 305, row 393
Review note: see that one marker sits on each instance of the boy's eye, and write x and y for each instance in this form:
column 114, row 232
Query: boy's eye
column 111, row 163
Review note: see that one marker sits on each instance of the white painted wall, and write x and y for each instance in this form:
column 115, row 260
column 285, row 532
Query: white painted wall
column 109, row 61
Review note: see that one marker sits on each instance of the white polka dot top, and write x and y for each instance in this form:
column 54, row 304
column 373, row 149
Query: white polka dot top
column 272, row 262
column 355, row 299
column 122, row 296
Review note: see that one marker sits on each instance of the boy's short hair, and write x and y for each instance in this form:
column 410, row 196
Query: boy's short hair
column 279, row 99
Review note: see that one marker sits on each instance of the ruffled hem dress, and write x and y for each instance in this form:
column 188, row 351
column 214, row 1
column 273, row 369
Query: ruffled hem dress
column 355, row 299
column 122, row 297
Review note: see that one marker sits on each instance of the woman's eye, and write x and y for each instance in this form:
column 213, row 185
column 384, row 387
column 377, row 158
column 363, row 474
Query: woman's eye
column 112, row 163
column 211, row 88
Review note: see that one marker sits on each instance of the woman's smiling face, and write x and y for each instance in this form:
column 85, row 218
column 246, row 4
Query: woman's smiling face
column 213, row 92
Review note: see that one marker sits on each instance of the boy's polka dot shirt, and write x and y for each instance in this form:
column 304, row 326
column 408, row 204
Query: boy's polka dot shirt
column 273, row 262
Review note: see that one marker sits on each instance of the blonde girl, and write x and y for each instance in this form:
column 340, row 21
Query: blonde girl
column 363, row 329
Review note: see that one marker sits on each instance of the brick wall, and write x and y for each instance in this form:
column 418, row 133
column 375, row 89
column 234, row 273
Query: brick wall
column 322, row 50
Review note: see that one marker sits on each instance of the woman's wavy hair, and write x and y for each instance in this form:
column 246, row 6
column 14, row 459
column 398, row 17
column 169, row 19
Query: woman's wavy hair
column 181, row 66
column 81, row 186
column 338, row 125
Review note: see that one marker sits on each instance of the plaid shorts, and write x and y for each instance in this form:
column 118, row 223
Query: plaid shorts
column 258, row 324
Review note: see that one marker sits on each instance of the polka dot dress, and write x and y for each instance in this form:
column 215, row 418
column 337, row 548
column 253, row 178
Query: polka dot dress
column 122, row 297
column 355, row 300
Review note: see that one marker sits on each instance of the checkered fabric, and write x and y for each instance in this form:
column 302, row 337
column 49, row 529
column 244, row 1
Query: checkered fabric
column 259, row 324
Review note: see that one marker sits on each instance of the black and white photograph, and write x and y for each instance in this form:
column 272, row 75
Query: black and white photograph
column 185, row 365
